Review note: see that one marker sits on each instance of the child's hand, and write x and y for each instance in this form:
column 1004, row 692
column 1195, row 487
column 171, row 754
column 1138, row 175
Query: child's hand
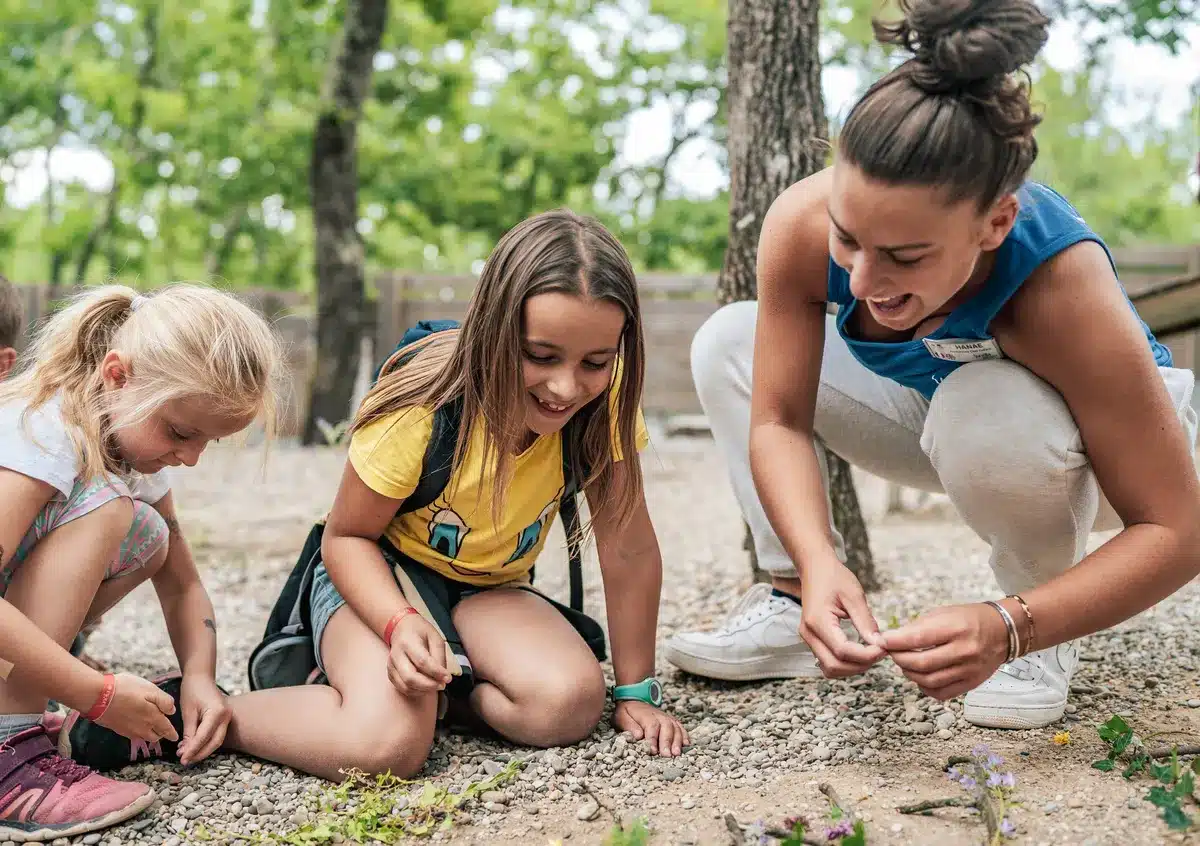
column 139, row 710
column 416, row 662
column 206, row 718
column 665, row 734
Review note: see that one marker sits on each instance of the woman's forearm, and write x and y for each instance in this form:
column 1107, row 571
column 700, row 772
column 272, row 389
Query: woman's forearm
column 1139, row 567
column 32, row 659
column 359, row 571
column 787, row 477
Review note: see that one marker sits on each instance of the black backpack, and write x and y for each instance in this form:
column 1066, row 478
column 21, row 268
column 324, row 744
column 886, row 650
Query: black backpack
column 286, row 656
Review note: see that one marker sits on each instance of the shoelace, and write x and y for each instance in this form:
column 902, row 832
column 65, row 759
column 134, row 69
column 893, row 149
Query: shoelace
column 64, row 768
column 754, row 606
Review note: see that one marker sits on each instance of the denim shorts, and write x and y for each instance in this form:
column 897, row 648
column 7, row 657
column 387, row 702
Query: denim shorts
column 435, row 597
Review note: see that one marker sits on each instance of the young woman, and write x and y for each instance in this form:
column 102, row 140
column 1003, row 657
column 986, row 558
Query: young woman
column 983, row 347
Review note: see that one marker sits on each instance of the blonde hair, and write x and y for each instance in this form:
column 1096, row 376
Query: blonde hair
column 480, row 363
column 182, row 341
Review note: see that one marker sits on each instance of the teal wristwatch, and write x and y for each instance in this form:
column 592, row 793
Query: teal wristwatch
column 647, row 690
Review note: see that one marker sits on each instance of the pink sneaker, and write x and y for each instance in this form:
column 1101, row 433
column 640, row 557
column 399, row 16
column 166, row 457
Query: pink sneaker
column 44, row 796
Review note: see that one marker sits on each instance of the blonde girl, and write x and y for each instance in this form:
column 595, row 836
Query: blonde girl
column 551, row 348
column 117, row 388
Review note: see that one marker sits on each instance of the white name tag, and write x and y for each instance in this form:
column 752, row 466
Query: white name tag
column 963, row 349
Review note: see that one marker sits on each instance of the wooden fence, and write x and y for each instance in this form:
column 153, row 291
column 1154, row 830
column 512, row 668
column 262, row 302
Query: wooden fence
column 674, row 307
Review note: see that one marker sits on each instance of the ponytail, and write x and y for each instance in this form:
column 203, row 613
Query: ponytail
column 64, row 359
column 183, row 341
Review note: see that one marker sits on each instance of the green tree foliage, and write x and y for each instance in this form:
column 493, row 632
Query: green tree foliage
column 200, row 115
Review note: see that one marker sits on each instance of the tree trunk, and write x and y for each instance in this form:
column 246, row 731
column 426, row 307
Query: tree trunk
column 847, row 517
column 341, row 299
column 776, row 115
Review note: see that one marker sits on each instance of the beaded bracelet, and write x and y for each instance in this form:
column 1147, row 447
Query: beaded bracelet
column 1014, row 641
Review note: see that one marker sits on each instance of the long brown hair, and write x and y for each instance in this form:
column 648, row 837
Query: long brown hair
column 480, row 362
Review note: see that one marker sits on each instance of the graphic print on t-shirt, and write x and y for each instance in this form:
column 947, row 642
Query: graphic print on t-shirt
column 528, row 539
column 448, row 532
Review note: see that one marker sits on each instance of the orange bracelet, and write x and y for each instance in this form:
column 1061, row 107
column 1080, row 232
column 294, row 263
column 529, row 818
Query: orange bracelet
column 104, row 699
column 391, row 624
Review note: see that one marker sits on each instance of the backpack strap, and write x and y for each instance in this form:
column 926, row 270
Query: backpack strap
column 568, row 509
column 438, row 460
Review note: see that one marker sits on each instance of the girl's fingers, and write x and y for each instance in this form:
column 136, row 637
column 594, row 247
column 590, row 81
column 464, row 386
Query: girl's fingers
column 653, row 729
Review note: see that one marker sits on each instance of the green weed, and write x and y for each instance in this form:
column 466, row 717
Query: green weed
column 636, row 835
column 1176, row 783
column 379, row 809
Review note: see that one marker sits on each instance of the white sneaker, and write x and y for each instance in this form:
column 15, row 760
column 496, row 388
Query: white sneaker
column 759, row 640
column 1031, row 692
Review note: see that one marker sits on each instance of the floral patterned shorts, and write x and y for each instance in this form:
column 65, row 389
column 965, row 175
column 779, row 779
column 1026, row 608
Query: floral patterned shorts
column 147, row 535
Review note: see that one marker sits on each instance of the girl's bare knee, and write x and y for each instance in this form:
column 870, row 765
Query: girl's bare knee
column 568, row 710
column 399, row 752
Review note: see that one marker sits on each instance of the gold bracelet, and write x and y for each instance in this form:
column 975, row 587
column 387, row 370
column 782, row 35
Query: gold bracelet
column 1029, row 618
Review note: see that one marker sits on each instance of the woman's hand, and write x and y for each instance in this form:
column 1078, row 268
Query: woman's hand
column 665, row 734
column 829, row 593
column 417, row 660
column 950, row 650
column 206, row 718
column 139, row 710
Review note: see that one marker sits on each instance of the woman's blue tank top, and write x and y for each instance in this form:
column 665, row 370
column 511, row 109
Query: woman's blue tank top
column 1046, row 225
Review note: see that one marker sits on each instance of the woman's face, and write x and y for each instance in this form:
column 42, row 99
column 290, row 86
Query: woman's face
column 907, row 251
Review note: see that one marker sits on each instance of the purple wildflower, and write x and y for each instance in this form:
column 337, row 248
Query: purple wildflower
column 994, row 760
column 842, row 829
column 994, row 780
column 1007, row 828
column 980, row 751
column 968, row 782
column 953, row 774
column 1007, row 780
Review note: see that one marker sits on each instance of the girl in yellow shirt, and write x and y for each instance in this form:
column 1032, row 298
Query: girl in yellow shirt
column 551, row 348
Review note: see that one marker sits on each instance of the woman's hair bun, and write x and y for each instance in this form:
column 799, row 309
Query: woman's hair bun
column 961, row 42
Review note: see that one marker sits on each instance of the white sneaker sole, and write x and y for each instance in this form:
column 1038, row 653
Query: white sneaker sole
column 1008, row 717
column 777, row 666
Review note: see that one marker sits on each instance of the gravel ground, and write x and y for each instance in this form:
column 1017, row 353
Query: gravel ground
column 759, row 752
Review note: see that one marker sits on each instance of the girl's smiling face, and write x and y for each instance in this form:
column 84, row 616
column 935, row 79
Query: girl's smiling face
column 569, row 345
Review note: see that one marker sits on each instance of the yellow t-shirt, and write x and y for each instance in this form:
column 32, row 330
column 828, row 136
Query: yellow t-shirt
column 458, row 537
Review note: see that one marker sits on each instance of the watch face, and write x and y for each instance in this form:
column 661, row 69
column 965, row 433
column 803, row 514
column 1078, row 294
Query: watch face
column 656, row 694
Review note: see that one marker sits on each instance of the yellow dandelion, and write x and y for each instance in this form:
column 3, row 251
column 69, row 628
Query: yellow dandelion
column 1063, row 738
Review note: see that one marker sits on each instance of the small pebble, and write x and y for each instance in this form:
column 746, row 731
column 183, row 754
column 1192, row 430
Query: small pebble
column 588, row 810
column 92, row 839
